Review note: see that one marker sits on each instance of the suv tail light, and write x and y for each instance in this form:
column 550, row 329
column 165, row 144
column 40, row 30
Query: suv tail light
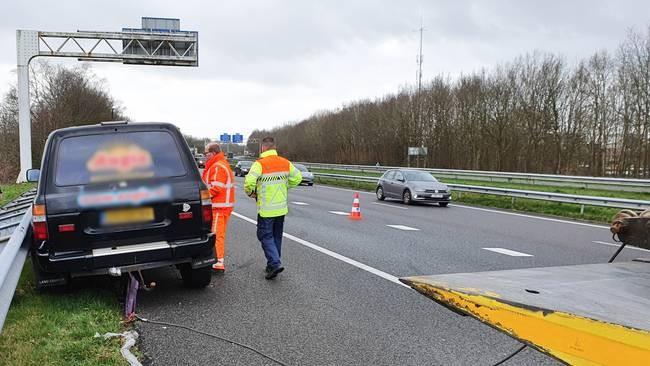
column 39, row 222
column 206, row 207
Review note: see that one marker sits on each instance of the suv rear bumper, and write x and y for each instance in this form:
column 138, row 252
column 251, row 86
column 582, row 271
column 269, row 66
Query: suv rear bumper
column 198, row 252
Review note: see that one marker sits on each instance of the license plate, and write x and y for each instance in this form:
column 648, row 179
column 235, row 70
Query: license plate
column 436, row 196
column 127, row 216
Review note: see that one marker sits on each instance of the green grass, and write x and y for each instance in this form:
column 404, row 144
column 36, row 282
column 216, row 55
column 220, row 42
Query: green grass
column 596, row 214
column 58, row 328
column 528, row 187
column 11, row 191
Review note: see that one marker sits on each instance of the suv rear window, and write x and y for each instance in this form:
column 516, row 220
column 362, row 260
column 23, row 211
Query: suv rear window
column 109, row 157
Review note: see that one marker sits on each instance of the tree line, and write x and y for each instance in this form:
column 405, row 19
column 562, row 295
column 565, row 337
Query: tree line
column 535, row 114
column 60, row 97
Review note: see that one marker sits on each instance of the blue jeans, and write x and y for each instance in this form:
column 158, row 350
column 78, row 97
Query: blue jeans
column 269, row 233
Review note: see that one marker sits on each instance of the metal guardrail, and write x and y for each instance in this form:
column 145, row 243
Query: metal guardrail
column 15, row 231
column 604, row 183
column 518, row 193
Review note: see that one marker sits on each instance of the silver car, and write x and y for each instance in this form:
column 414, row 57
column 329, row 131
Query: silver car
column 307, row 176
column 410, row 185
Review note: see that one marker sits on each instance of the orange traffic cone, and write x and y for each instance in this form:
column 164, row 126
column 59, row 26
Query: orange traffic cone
column 355, row 214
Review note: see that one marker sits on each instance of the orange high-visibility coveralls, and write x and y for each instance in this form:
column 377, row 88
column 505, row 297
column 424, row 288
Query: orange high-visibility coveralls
column 221, row 181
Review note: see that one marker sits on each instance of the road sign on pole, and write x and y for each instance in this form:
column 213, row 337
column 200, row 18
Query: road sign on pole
column 225, row 138
column 237, row 138
column 418, row 151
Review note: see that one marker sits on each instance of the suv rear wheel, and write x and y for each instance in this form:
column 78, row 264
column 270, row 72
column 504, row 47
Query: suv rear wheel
column 197, row 277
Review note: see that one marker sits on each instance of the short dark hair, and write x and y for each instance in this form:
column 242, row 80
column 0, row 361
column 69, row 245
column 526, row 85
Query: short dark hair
column 268, row 142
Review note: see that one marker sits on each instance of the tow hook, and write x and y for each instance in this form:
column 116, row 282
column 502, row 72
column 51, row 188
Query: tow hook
column 132, row 287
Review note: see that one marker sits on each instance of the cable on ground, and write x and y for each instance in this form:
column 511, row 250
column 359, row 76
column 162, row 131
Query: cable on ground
column 144, row 320
column 513, row 354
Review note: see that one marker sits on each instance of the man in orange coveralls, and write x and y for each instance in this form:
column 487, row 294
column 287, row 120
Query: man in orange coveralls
column 221, row 181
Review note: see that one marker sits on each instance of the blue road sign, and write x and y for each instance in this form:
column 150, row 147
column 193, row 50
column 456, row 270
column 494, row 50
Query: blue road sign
column 224, row 138
column 237, row 138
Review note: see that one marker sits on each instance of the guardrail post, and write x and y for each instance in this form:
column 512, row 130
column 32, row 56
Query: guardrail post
column 512, row 203
column 582, row 210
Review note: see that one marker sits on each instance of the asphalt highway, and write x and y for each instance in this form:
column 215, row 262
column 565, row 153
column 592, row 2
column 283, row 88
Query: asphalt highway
column 339, row 302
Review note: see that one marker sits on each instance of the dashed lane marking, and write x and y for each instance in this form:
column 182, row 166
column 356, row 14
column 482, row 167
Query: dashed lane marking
column 341, row 213
column 403, row 227
column 509, row 252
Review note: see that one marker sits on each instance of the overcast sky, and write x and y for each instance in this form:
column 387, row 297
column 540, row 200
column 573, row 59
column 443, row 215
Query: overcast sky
column 265, row 63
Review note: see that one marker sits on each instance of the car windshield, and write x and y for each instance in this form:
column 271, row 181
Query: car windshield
column 413, row 175
column 245, row 164
column 109, row 157
column 301, row 167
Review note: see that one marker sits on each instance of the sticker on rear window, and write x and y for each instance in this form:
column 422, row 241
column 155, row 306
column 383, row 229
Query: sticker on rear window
column 120, row 159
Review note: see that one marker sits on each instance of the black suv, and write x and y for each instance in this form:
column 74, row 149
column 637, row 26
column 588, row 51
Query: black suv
column 120, row 197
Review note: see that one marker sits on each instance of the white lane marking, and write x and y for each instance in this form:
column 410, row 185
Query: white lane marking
column 387, row 205
column 403, row 227
column 339, row 213
column 300, row 203
column 334, row 255
column 509, row 252
column 618, row 245
column 532, row 217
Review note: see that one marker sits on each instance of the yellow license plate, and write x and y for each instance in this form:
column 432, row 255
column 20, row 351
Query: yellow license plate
column 127, row 216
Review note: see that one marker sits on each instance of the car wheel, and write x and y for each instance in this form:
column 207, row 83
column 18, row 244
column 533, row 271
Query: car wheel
column 380, row 193
column 196, row 278
column 443, row 204
column 310, row 184
column 406, row 197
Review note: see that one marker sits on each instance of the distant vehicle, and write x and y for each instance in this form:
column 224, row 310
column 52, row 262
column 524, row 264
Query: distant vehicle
column 410, row 185
column 307, row 176
column 200, row 160
column 116, row 198
column 242, row 167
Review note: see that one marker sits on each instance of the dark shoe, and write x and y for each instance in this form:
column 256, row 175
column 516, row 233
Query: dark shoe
column 268, row 269
column 274, row 273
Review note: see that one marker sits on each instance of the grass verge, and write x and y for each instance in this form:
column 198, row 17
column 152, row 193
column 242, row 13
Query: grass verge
column 59, row 328
column 591, row 213
column 11, row 191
